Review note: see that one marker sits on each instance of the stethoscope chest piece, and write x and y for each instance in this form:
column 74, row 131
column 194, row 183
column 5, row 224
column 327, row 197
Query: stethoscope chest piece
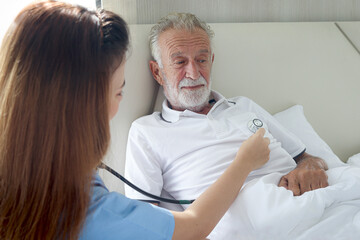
column 255, row 124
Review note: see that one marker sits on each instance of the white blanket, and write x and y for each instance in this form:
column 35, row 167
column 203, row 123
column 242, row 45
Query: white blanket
column 264, row 211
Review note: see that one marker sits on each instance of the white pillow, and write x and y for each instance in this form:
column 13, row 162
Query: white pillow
column 354, row 160
column 295, row 121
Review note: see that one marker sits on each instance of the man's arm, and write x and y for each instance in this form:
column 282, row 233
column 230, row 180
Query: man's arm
column 308, row 175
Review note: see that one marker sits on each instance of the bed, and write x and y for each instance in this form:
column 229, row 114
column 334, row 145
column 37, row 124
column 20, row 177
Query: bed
column 307, row 75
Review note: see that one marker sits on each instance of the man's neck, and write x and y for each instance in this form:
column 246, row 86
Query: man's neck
column 205, row 110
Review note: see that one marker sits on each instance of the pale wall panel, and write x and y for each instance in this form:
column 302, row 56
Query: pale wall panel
column 219, row 11
column 352, row 31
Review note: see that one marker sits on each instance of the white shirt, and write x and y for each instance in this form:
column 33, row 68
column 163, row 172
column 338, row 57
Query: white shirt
column 185, row 152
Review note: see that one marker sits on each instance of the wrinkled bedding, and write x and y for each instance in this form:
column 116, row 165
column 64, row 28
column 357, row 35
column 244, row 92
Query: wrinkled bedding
column 263, row 210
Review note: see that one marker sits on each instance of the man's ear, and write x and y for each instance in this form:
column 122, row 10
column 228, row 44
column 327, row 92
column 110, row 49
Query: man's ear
column 155, row 70
column 212, row 59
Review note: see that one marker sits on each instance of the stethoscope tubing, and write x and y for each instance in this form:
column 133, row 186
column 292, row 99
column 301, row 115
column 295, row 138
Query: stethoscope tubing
column 253, row 126
column 161, row 199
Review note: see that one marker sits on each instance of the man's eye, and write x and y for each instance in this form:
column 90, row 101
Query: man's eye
column 202, row 61
column 179, row 62
column 120, row 93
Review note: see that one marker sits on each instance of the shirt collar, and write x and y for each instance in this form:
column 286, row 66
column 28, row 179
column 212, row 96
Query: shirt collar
column 171, row 116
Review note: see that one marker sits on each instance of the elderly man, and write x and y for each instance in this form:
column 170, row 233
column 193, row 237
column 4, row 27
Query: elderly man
column 187, row 146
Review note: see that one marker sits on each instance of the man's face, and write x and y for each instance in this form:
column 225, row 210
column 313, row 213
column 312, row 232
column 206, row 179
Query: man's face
column 185, row 76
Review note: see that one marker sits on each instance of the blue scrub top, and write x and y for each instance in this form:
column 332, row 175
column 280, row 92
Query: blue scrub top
column 113, row 216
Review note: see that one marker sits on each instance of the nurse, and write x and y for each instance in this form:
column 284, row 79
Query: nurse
column 61, row 81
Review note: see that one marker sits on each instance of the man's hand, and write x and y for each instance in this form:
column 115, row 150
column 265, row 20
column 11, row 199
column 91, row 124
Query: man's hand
column 308, row 175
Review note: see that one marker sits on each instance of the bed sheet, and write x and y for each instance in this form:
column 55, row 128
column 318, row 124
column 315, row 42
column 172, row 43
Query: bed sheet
column 264, row 211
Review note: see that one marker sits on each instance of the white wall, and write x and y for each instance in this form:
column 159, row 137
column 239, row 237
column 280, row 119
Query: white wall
column 8, row 11
column 220, row 11
column 236, row 11
column 10, row 8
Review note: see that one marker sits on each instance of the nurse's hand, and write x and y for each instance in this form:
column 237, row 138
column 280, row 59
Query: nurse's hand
column 200, row 218
column 254, row 152
column 308, row 175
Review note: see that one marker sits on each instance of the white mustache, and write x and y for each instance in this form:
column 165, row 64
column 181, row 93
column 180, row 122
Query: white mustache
column 186, row 82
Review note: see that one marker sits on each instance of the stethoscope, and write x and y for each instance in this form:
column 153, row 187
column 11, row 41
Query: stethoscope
column 133, row 186
column 253, row 126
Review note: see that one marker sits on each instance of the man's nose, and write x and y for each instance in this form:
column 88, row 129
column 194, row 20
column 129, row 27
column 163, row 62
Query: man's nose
column 192, row 70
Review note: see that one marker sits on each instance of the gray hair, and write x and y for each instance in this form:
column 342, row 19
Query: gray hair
column 185, row 21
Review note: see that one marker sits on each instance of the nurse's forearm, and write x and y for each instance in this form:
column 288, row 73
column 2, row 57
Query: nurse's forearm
column 197, row 221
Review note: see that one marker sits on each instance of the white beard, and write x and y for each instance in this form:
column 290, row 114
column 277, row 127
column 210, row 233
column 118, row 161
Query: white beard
column 194, row 100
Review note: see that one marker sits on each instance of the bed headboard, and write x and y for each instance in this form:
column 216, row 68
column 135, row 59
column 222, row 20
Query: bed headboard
column 275, row 64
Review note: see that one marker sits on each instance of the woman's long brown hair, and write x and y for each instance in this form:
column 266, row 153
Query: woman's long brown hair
column 55, row 64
